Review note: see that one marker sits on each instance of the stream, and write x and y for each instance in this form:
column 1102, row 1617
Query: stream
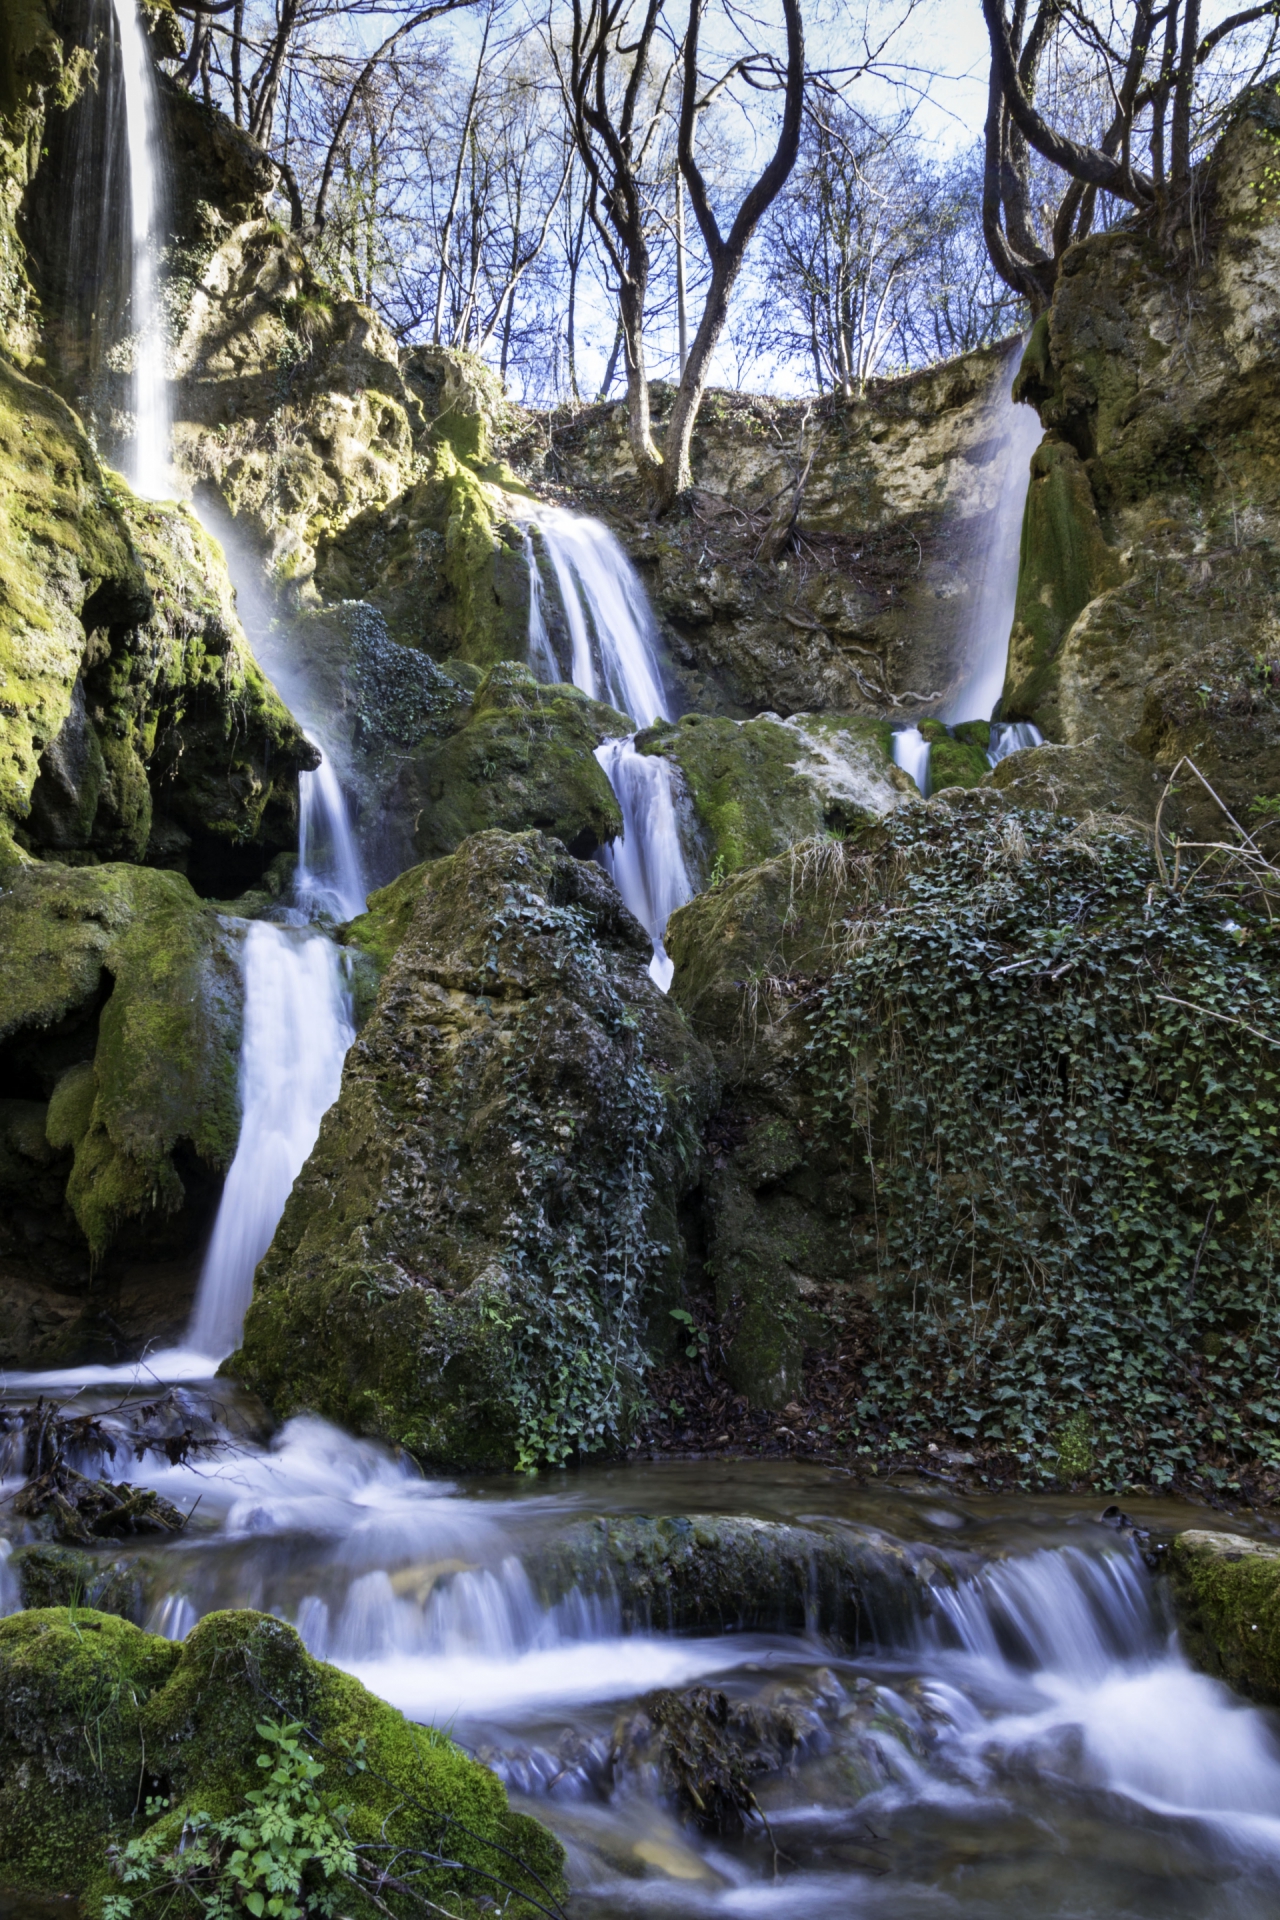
column 1020, row 1734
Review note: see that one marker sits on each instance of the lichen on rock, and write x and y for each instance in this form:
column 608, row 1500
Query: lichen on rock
column 1226, row 1596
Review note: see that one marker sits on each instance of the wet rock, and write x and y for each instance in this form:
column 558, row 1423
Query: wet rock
column 493, row 1198
column 723, row 1573
column 134, row 723
column 1226, row 1598
column 119, row 1026
column 59, row 1576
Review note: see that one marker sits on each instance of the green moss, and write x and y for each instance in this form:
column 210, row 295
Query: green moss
column 74, row 1687
column 1226, row 1593
column 524, row 758
column 94, row 1714
column 165, row 1050
column 1064, row 562
column 758, row 786
column 956, row 763
column 55, row 1576
column 381, row 929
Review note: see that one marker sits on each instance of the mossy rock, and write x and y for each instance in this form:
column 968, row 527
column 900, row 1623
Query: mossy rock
column 522, row 1104
column 136, row 723
column 956, row 763
column 56, row 1576
column 758, row 786
column 95, row 1714
column 1226, row 1595
column 708, row 1572
column 1099, row 777
column 120, row 1010
column 524, row 758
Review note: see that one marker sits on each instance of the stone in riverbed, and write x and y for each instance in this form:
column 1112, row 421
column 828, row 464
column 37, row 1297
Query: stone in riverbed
column 1226, row 1594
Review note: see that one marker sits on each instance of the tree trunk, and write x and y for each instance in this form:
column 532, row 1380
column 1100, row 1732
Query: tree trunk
column 639, row 429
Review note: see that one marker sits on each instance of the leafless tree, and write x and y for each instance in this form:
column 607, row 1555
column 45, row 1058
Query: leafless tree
column 1165, row 86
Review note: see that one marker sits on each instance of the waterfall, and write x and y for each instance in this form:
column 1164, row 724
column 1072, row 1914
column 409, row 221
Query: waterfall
column 647, row 864
column 611, row 629
column 150, row 473
column 911, row 753
column 297, row 1028
column 541, row 653
column 330, row 879
column 613, row 638
column 1013, row 736
column 984, row 643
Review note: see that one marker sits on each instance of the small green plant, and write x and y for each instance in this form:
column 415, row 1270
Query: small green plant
column 283, row 1856
column 717, row 876
column 1075, row 1447
column 698, row 1337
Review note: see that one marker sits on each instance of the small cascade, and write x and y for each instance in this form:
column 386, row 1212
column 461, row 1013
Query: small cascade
column 984, row 643
column 611, row 629
column 150, row 465
column 613, row 641
column 330, row 878
column 297, row 1028
column 1012, row 736
column 647, row 864
column 911, row 753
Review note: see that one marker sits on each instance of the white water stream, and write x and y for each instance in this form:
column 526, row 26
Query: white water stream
column 1016, row 432
column 149, row 470
column 613, row 657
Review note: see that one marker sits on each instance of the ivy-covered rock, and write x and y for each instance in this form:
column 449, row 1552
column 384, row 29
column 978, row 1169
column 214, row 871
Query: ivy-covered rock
column 1226, row 1596
column 468, row 1262
column 112, row 1739
column 119, row 1036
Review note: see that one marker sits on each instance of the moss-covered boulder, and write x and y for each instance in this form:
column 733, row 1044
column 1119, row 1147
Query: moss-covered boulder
column 1226, row 1595
column 525, row 757
column 103, row 1728
column 957, row 755
column 724, row 1573
column 756, row 787
column 119, row 1036
column 134, row 722
column 1095, row 777
column 468, row 1262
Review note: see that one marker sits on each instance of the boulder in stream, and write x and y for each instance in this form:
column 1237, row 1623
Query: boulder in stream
column 472, row 1259
column 1226, row 1595
column 111, row 1736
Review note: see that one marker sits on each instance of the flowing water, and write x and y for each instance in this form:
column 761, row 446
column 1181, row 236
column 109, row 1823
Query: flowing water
column 149, row 469
column 613, row 657
column 1018, row 1735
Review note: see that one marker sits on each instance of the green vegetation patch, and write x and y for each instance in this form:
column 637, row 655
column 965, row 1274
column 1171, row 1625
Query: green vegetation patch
column 1064, row 1075
column 1226, row 1593
column 236, row 1773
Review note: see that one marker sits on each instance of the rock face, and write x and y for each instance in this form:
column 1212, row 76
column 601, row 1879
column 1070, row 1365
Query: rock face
column 183, row 1721
column 757, row 787
column 471, row 1258
column 119, row 1037
column 833, row 551
column 1226, row 1595
column 1146, row 600
column 134, row 722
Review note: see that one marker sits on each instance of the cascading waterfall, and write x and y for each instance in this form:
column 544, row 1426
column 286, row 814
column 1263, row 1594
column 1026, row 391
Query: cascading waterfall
column 647, row 864
column 613, row 646
column 984, row 639
column 330, row 878
column 150, row 464
column 297, row 1028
